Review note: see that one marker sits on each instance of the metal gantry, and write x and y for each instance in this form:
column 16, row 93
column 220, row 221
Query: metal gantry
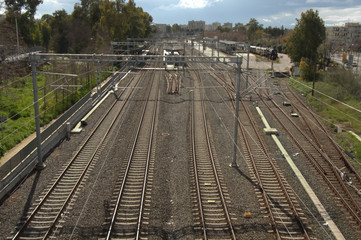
column 36, row 58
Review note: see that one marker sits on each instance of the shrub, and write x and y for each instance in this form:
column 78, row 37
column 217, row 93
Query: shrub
column 306, row 68
column 344, row 81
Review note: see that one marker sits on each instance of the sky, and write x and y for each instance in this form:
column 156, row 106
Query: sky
column 274, row 13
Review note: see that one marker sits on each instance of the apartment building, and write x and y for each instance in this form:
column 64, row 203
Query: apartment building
column 344, row 37
column 197, row 25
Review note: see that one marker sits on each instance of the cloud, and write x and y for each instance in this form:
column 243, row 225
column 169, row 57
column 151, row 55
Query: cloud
column 280, row 18
column 330, row 15
column 50, row 6
column 196, row 3
column 336, row 16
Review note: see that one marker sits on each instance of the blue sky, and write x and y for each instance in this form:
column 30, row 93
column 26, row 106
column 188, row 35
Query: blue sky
column 267, row 12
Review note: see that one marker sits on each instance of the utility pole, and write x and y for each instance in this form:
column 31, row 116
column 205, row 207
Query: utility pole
column 358, row 58
column 235, row 145
column 17, row 33
column 40, row 165
column 192, row 46
column 314, row 79
column 249, row 49
column 199, row 47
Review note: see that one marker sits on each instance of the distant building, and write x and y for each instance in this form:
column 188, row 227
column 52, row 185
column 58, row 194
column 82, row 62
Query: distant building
column 344, row 36
column 162, row 27
column 215, row 25
column 197, row 25
column 228, row 25
column 238, row 25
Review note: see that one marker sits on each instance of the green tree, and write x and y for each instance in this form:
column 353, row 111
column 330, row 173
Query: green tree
column 274, row 31
column 253, row 27
column 17, row 5
column 223, row 29
column 304, row 41
column 60, row 27
column 306, row 69
column 138, row 20
column 45, row 34
column 176, row 28
column 80, row 32
column 23, row 12
column 307, row 36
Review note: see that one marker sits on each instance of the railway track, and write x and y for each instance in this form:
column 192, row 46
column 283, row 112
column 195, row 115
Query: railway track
column 318, row 159
column 276, row 196
column 132, row 191
column 287, row 218
column 44, row 216
column 325, row 142
column 213, row 217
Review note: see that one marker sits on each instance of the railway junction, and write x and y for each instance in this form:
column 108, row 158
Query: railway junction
column 189, row 146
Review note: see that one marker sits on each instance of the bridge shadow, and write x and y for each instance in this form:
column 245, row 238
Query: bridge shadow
column 29, row 200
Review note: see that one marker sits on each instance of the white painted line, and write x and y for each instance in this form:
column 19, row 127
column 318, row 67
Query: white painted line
column 321, row 209
column 78, row 128
column 357, row 136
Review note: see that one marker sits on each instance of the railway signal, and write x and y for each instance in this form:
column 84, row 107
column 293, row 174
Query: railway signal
column 273, row 55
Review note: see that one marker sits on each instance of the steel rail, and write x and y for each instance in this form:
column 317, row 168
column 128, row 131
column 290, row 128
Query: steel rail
column 214, row 168
column 335, row 159
column 343, row 166
column 258, row 176
column 323, row 174
column 316, row 164
column 147, row 167
column 124, row 180
column 344, row 159
column 199, row 197
column 48, row 193
column 265, row 199
column 288, row 198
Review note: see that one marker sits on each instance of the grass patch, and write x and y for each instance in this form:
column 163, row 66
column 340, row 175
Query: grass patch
column 16, row 99
column 350, row 143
